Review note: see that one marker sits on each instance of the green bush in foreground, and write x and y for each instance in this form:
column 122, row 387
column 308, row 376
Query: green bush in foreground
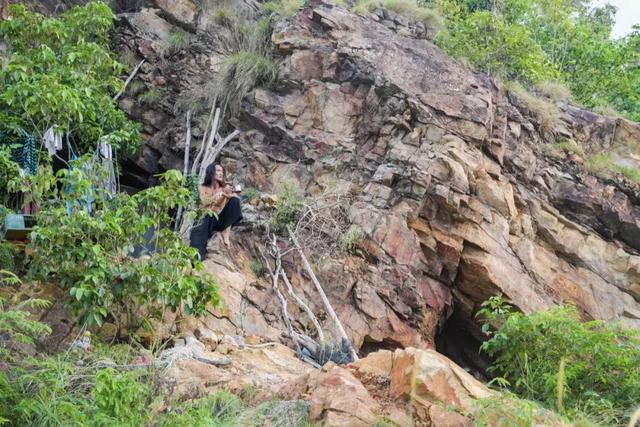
column 602, row 361
column 95, row 256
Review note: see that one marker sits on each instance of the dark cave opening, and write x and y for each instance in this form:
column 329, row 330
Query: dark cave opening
column 370, row 345
column 460, row 339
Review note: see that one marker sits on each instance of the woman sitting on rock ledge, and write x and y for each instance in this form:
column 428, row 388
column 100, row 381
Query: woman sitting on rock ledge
column 218, row 195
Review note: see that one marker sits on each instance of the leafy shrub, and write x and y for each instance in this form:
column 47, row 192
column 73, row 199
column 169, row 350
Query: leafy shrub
column 498, row 48
column 60, row 72
column 120, row 398
column 546, row 113
column 602, row 370
column 7, row 257
column 76, row 389
column 288, row 209
column 258, row 268
column 92, row 255
column 9, row 170
column 351, row 239
column 535, row 40
column 16, row 323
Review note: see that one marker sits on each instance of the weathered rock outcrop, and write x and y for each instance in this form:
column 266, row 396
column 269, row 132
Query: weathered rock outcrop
column 449, row 176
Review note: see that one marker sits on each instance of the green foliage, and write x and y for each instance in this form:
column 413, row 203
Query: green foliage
column 507, row 410
column 350, row 240
column 569, row 147
column 16, row 323
column 288, row 209
column 9, row 170
column 601, row 165
column 535, row 40
column 224, row 16
column 602, row 371
column 251, row 194
column 249, row 63
column 119, row 398
column 151, row 97
column 8, row 254
column 91, row 255
column 176, row 41
column 60, row 72
column 76, row 389
column 258, row 268
column 499, row 48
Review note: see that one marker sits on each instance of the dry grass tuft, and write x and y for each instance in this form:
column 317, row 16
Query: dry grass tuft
column 546, row 113
column 555, row 90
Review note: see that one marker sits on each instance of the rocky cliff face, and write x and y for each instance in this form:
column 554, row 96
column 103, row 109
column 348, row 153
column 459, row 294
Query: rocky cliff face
column 449, row 175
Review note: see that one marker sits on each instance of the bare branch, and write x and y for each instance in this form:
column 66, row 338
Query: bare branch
column 323, row 296
column 126, row 83
column 283, row 301
column 304, row 306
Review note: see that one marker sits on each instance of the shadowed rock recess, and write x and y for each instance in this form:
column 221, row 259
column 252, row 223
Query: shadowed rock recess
column 449, row 176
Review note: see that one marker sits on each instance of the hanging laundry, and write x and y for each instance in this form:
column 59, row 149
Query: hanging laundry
column 52, row 140
column 106, row 153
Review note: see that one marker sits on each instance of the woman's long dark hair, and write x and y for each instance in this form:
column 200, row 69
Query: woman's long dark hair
column 210, row 174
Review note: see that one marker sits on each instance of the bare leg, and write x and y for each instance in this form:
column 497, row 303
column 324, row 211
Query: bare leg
column 226, row 234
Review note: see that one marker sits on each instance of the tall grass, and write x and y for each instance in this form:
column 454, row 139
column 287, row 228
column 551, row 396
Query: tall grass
column 249, row 63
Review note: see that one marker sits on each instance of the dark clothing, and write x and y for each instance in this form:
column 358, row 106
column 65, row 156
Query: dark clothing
column 207, row 226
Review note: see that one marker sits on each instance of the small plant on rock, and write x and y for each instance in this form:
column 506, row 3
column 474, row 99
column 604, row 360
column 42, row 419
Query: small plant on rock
column 288, row 209
column 352, row 238
column 151, row 97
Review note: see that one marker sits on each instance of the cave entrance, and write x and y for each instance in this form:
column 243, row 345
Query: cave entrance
column 459, row 339
column 369, row 345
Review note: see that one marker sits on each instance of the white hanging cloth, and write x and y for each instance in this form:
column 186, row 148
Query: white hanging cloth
column 106, row 153
column 52, row 140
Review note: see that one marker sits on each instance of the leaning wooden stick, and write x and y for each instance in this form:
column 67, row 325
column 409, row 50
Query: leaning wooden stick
column 126, row 83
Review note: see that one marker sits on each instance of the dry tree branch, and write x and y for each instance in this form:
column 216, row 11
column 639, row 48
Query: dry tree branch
column 323, row 295
column 283, row 302
column 304, row 306
column 126, row 83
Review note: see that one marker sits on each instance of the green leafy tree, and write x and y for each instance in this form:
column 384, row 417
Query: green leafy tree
column 92, row 254
column 535, row 40
column 499, row 48
column 60, row 72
